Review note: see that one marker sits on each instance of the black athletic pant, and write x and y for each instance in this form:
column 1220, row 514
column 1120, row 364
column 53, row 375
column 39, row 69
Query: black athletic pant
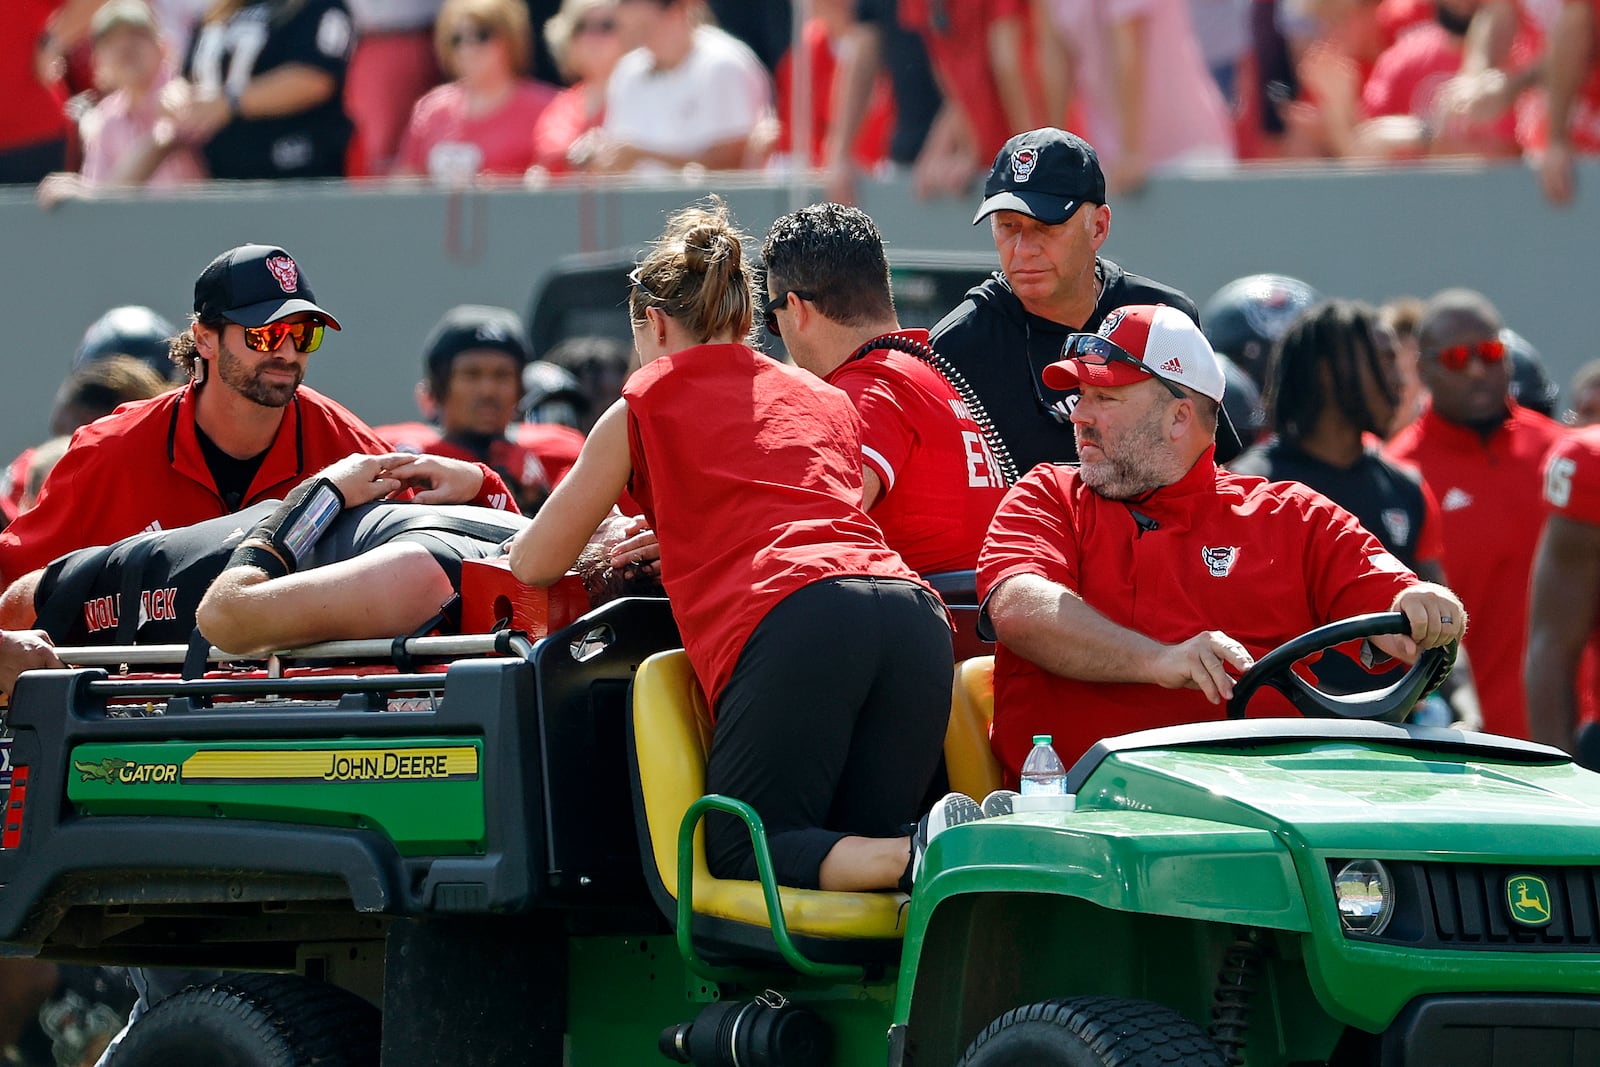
column 832, row 723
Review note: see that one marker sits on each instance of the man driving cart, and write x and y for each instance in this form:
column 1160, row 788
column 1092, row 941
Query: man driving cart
column 1095, row 574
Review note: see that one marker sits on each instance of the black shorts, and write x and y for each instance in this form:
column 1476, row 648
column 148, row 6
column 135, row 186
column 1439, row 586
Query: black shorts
column 832, row 723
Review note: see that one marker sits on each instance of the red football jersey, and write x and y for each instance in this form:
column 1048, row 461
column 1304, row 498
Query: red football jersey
column 940, row 483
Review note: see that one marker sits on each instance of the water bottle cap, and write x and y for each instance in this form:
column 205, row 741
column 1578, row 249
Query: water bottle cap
column 1042, row 739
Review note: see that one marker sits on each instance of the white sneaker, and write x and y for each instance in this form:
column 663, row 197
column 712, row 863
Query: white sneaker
column 953, row 810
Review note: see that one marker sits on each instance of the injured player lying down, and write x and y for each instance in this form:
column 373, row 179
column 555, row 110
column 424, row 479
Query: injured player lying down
column 333, row 560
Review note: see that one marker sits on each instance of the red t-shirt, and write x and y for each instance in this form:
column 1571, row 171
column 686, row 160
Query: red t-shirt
column 445, row 141
column 940, row 482
column 957, row 35
column 140, row 468
column 31, row 113
column 871, row 144
column 1572, row 490
column 749, row 471
column 1261, row 561
column 1489, row 497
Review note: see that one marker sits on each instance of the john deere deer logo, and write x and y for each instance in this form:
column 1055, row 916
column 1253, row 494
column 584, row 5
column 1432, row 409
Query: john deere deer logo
column 1529, row 899
column 104, row 771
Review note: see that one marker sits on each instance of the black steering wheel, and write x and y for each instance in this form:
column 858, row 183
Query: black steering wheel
column 1389, row 704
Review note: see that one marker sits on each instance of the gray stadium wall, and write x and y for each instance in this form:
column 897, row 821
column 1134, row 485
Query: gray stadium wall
column 389, row 259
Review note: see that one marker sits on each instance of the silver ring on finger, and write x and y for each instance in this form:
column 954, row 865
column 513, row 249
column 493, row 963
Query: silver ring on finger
column 1447, row 619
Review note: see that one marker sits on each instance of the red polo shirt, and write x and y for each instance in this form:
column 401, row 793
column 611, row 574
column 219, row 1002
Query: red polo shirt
column 1572, row 490
column 1261, row 561
column 940, row 482
column 141, row 468
column 750, row 474
column 1492, row 512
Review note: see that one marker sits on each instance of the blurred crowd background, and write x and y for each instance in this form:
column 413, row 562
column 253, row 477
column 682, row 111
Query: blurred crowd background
column 126, row 94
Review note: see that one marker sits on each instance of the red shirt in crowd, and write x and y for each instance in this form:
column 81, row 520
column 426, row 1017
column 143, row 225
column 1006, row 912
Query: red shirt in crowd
column 957, row 35
column 556, row 446
column 141, row 468
column 1406, row 81
column 1261, row 561
column 563, row 121
column 940, row 482
column 31, row 113
column 1489, row 496
column 749, row 471
column 1572, row 490
column 445, row 140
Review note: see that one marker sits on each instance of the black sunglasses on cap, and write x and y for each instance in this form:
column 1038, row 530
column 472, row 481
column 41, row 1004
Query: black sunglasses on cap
column 1096, row 351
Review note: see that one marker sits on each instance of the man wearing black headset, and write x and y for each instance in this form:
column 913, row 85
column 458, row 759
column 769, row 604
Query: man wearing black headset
column 932, row 477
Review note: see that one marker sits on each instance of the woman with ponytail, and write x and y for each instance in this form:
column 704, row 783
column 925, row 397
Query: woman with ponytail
column 825, row 661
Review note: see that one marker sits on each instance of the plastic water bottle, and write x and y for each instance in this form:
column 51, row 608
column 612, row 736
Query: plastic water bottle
column 1043, row 773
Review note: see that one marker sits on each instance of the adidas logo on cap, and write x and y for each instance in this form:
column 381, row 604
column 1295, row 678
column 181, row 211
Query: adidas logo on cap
column 1172, row 366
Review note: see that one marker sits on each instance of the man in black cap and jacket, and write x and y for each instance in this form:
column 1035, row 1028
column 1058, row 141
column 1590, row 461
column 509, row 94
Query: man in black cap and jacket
column 1045, row 202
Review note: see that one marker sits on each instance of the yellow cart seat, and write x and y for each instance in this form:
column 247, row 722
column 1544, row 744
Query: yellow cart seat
column 670, row 742
column 968, row 758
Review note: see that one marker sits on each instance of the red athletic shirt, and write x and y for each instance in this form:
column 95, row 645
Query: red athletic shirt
column 141, row 468
column 556, row 446
column 1261, row 561
column 940, row 483
column 956, row 33
column 749, row 472
column 1489, row 497
column 30, row 113
column 1572, row 490
column 517, row 466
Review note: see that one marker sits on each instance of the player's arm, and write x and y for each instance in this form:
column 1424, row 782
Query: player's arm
column 871, row 488
column 548, row 546
column 247, row 611
column 1561, row 614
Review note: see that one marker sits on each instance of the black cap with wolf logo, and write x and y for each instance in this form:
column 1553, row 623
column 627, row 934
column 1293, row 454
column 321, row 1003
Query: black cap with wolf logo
column 1044, row 173
column 253, row 285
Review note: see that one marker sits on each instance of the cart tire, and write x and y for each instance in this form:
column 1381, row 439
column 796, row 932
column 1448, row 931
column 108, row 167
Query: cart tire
column 1093, row 1031
column 255, row 1020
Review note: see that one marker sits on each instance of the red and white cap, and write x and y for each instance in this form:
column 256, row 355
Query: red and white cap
column 1157, row 340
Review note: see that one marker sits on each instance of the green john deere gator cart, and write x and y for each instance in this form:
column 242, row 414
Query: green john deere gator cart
column 486, row 852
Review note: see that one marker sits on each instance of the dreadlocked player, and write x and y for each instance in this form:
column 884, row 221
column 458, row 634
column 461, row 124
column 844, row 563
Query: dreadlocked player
column 1332, row 388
